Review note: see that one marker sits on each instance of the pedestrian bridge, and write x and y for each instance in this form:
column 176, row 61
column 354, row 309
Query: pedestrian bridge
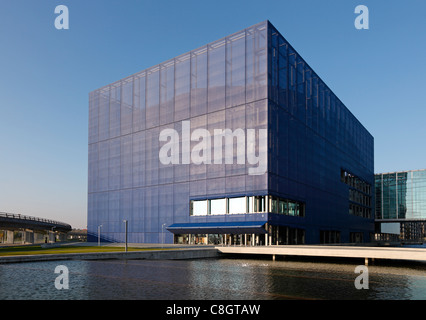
column 27, row 229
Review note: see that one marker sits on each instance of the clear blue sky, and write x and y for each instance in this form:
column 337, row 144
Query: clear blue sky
column 46, row 75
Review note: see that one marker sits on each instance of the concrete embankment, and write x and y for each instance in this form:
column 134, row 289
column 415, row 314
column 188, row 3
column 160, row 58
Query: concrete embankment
column 168, row 254
column 366, row 253
column 173, row 252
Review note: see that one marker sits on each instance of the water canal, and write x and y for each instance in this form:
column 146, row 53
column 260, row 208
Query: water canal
column 205, row 279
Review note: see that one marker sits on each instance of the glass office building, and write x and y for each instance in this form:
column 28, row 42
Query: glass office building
column 236, row 142
column 401, row 203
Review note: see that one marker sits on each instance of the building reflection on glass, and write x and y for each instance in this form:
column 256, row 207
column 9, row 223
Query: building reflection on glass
column 401, row 199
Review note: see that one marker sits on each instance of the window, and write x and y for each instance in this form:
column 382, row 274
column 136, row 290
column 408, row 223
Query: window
column 286, row 207
column 256, row 204
column 250, row 205
column 217, row 206
column 199, row 208
column 237, row 205
column 329, row 236
column 274, row 205
column 292, row 208
column 260, row 204
column 243, row 205
column 283, row 207
column 359, row 194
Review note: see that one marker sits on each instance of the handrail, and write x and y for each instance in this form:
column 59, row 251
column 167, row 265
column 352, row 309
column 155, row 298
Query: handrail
column 24, row 217
column 103, row 236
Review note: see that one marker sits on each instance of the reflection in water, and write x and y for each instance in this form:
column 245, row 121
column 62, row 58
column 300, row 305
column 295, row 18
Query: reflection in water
column 222, row 279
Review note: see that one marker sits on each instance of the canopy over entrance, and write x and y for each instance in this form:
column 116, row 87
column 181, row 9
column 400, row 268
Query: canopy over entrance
column 243, row 227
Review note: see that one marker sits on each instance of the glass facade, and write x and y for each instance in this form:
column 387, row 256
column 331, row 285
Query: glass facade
column 313, row 139
column 401, row 195
column 250, row 80
column 401, row 204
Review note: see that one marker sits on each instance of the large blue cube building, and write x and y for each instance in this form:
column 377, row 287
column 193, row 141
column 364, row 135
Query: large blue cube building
column 236, row 142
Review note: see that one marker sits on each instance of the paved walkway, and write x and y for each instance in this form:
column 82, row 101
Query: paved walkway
column 338, row 251
column 392, row 253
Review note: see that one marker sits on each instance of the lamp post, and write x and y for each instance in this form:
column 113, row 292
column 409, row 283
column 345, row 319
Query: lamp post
column 162, row 235
column 125, row 231
column 99, row 235
column 54, row 236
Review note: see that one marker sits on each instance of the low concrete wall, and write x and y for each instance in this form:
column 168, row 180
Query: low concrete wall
column 408, row 254
column 172, row 254
column 214, row 252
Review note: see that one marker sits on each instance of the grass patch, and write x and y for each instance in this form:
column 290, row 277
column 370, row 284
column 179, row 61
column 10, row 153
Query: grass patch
column 37, row 249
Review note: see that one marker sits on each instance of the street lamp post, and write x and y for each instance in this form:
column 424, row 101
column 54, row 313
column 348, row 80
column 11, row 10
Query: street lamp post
column 54, row 236
column 125, row 231
column 99, row 235
column 162, row 235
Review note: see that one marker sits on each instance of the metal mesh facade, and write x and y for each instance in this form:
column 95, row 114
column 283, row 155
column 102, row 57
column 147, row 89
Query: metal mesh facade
column 252, row 79
column 220, row 85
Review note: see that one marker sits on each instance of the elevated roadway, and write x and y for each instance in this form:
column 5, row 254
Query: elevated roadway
column 28, row 226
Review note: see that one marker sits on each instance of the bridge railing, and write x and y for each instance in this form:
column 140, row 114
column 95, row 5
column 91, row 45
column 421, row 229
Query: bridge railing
column 24, row 217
